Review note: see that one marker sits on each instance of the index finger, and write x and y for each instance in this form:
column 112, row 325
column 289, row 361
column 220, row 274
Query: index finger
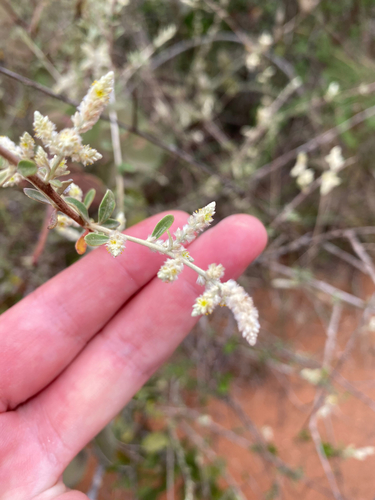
column 41, row 335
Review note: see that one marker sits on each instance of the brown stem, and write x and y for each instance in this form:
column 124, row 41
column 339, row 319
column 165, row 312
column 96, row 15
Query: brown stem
column 47, row 189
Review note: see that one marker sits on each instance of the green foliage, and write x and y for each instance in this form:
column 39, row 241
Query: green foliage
column 107, row 206
column 162, row 226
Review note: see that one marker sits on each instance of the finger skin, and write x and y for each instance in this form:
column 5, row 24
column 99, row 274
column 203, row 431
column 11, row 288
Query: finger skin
column 41, row 335
column 118, row 361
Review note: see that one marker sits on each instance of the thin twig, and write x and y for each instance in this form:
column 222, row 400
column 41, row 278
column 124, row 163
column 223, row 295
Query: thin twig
column 170, row 148
column 362, row 254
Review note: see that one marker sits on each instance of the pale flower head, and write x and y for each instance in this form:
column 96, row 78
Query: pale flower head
column 87, row 156
column 330, row 404
column 93, row 104
column 27, row 145
column 13, row 181
column 332, row 91
column 207, row 302
column 116, row 243
column 215, row 271
column 243, row 309
column 41, row 158
column 329, row 181
column 314, row 376
column 265, row 40
column 335, row 159
column 300, row 165
column 252, row 61
column 44, row 129
column 305, row 178
column 358, row 453
column 75, row 191
column 170, row 270
column 66, row 143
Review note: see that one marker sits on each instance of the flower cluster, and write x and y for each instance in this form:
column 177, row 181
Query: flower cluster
column 116, row 243
column 61, row 145
column 330, row 179
column 358, row 453
column 304, row 175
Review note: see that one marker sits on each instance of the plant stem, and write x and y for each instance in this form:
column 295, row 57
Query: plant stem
column 46, row 189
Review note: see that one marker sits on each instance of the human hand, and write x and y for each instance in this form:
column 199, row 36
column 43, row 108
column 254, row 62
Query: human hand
column 76, row 350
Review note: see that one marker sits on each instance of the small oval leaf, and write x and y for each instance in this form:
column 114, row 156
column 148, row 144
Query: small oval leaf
column 89, row 198
column 111, row 224
column 27, row 168
column 79, row 206
column 107, row 206
column 163, row 224
column 53, row 220
column 36, row 195
column 81, row 243
column 95, row 239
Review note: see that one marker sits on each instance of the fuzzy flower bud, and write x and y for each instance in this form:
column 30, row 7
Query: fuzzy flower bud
column 215, row 272
column 75, row 191
column 243, row 309
column 170, row 270
column 87, row 156
column 13, row 181
column 27, row 145
column 44, row 129
column 207, row 302
column 197, row 222
column 41, row 158
column 335, row 159
column 90, row 109
column 300, row 165
column 66, row 143
column 116, row 243
column 329, row 181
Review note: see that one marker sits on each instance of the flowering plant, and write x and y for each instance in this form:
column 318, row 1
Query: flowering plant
column 44, row 166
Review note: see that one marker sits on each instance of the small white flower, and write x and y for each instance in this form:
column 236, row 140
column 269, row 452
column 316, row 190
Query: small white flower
column 300, row 165
column 252, row 61
column 87, row 156
column 330, row 404
column 197, row 222
column 314, row 376
column 116, row 243
column 170, row 270
column 358, row 453
column 215, row 271
column 27, row 145
column 335, row 159
column 13, row 181
column 329, row 181
column 97, row 98
column 305, row 178
column 41, row 158
column 267, row 433
column 44, row 129
column 66, row 143
column 265, row 40
column 332, row 91
column 207, row 302
column 75, row 191
column 63, row 221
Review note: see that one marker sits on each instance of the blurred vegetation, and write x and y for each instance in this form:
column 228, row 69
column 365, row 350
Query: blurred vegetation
column 237, row 88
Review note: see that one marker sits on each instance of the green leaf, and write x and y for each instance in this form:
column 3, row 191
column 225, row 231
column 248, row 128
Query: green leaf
column 36, row 196
column 56, row 183
column 111, row 224
column 89, row 198
column 106, row 206
column 96, row 239
column 79, row 206
column 163, row 224
column 4, row 174
column 27, row 168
